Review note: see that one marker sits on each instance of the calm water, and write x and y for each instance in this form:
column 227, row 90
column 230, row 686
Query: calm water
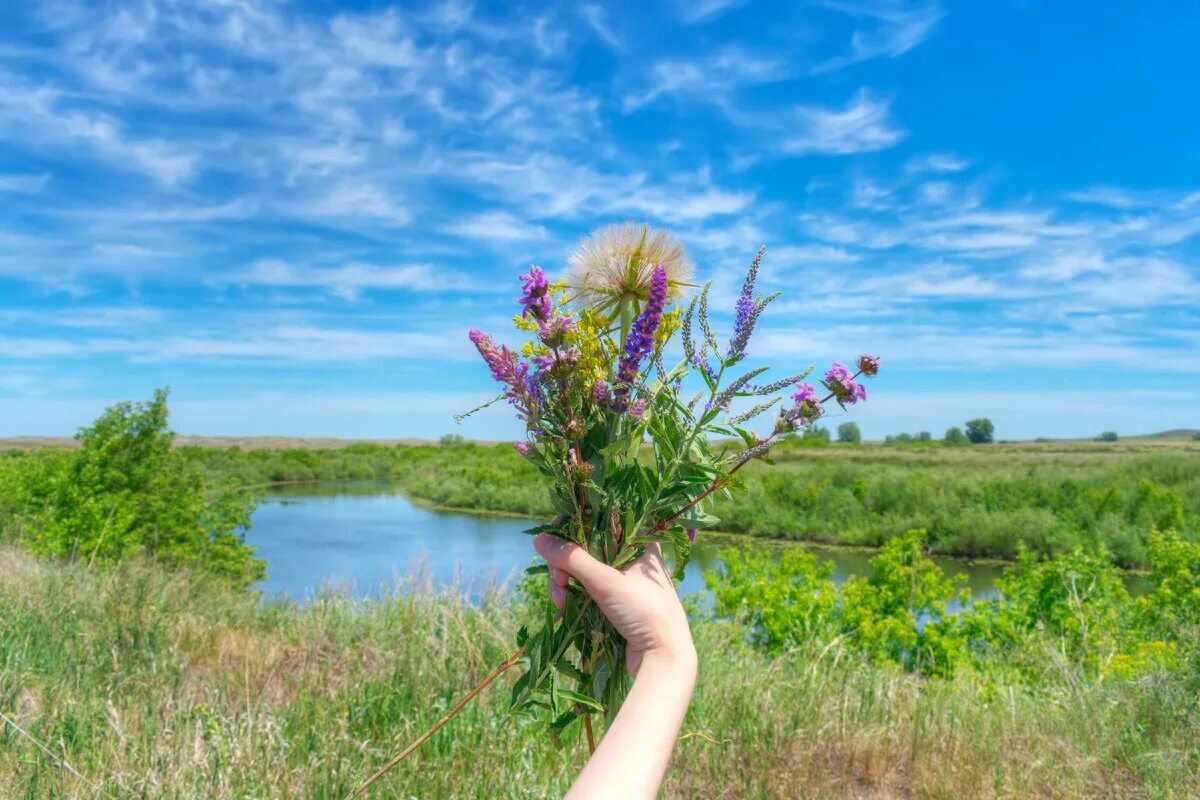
column 364, row 536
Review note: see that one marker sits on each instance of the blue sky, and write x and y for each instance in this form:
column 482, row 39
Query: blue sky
column 291, row 212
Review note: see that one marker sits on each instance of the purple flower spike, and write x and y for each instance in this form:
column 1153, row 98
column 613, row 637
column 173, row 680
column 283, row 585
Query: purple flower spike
column 535, row 295
column 641, row 336
column 522, row 447
column 506, row 368
column 691, row 534
column 600, row 392
column 637, row 409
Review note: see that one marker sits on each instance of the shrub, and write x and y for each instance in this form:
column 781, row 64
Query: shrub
column 1107, row 436
column 848, row 433
column 955, row 437
column 125, row 492
column 980, row 431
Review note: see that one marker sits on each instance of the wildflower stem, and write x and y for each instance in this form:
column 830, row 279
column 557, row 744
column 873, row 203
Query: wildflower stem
column 500, row 669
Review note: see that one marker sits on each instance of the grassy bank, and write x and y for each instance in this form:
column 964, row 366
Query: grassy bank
column 979, row 501
column 159, row 684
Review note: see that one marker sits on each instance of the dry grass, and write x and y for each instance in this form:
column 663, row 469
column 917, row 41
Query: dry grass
column 160, row 686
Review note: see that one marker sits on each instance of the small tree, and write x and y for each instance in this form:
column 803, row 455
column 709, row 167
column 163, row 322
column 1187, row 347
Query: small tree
column 955, row 437
column 1196, row 436
column 848, row 433
column 924, row 436
column 1107, row 436
column 815, row 433
column 980, row 431
column 125, row 492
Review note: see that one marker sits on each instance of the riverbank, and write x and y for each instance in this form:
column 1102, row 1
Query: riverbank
column 164, row 684
column 978, row 502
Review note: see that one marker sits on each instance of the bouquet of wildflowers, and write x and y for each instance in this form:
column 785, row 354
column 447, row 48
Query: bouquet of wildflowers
column 627, row 458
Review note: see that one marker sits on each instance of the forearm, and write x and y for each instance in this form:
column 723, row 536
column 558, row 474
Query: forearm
column 632, row 757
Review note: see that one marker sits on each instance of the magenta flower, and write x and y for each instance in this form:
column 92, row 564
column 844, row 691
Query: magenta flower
column 691, row 534
column 506, row 368
column 522, row 447
column 804, row 391
column 637, row 409
column 535, row 295
column 600, row 392
column 868, row 365
column 840, row 382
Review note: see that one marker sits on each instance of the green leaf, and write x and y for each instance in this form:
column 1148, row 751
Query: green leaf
column 580, row 699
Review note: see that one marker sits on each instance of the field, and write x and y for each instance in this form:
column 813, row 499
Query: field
column 135, row 663
column 976, row 501
column 157, row 684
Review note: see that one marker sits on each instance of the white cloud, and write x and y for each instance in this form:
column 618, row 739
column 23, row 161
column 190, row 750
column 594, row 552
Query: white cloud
column 497, row 226
column 936, row 162
column 898, row 29
column 711, row 79
column 23, row 183
column 694, row 11
column 863, row 126
column 350, row 280
column 598, row 21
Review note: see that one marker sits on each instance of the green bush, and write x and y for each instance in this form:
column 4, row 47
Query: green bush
column 980, row 431
column 849, row 433
column 124, row 492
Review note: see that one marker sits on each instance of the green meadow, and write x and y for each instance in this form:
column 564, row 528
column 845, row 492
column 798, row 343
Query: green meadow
column 138, row 661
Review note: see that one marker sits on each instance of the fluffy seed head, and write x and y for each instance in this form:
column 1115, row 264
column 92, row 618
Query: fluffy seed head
column 618, row 261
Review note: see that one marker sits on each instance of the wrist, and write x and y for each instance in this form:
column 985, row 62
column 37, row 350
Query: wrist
column 679, row 663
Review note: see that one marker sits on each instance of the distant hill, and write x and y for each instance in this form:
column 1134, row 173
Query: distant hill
column 1176, row 433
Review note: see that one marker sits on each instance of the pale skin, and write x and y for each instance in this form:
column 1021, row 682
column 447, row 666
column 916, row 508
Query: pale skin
column 642, row 605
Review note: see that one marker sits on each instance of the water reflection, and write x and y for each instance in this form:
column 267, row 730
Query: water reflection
column 362, row 536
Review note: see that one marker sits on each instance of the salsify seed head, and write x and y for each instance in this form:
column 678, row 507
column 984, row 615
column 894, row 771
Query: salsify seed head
column 619, row 260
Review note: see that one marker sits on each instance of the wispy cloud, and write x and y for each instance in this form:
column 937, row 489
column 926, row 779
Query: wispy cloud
column 350, row 280
column 598, row 21
column 897, row 28
column 713, row 78
column 864, row 125
column 693, row 11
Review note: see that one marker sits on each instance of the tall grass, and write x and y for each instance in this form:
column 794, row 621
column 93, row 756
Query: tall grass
column 164, row 685
column 974, row 501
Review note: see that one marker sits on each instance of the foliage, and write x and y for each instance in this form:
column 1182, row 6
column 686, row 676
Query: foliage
column 125, row 492
column 980, row 431
column 955, row 437
column 974, row 502
column 848, row 433
column 782, row 600
column 1107, row 436
column 1071, row 614
column 452, row 440
column 155, row 683
column 626, row 460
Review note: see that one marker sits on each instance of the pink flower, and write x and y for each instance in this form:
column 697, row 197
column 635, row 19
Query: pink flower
column 868, row 365
column 523, row 448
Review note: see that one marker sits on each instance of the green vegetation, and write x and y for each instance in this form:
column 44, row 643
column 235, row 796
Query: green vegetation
column 848, row 433
column 973, row 501
column 980, row 431
column 955, row 437
column 125, row 492
column 133, row 653
column 168, row 684
column 1107, row 436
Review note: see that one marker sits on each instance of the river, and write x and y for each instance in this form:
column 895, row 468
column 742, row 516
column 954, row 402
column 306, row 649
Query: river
column 363, row 537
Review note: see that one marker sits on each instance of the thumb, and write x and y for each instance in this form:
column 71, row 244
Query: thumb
column 574, row 560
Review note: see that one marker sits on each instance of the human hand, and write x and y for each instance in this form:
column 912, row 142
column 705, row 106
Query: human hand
column 640, row 601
